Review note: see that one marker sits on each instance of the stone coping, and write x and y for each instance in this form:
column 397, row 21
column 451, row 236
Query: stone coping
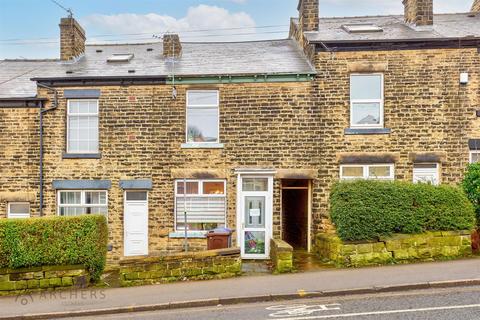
column 179, row 256
column 41, row 268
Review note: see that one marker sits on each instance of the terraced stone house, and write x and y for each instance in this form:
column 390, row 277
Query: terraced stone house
column 247, row 135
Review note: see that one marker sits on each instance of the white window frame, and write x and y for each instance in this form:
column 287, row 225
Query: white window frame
column 437, row 167
column 200, row 194
column 17, row 215
column 82, row 200
column 470, row 155
column 365, row 168
column 69, row 114
column 206, row 106
column 358, row 101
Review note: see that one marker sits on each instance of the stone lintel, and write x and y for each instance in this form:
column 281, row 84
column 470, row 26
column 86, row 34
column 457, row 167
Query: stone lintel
column 360, row 66
column 430, row 157
column 296, row 174
column 18, row 196
column 199, row 174
column 367, row 158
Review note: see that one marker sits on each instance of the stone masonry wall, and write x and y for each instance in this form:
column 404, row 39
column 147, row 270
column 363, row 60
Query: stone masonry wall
column 281, row 254
column 213, row 264
column 141, row 131
column 19, row 148
column 399, row 248
column 37, row 278
column 426, row 108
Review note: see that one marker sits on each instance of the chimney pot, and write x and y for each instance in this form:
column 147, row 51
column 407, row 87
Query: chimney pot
column 172, row 48
column 418, row 13
column 72, row 39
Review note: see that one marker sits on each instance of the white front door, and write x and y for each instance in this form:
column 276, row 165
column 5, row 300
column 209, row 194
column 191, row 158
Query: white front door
column 136, row 223
column 254, row 214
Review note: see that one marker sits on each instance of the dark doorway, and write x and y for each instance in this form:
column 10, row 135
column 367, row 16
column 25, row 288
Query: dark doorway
column 295, row 212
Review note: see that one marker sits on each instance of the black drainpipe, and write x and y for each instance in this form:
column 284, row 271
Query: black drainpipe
column 42, row 111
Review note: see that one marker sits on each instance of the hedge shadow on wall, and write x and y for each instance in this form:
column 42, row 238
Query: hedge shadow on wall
column 367, row 209
column 55, row 241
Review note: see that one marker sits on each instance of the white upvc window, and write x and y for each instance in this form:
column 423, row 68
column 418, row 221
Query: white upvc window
column 82, row 126
column 18, row 210
column 474, row 156
column 426, row 173
column 367, row 171
column 366, row 100
column 204, row 202
column 203, row 116
column 78, row 202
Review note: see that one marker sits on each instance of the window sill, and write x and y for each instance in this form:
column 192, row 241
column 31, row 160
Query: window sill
column 81, row 155
column 367, row 131
column 190, row 235
column 202, row 146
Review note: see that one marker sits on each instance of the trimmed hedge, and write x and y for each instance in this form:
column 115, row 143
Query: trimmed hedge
column 471, row 186
column 367, row 210
column 80, row 240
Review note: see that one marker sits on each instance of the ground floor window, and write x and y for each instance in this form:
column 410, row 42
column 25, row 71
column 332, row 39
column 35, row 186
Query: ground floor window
column 74, row 203
column 18, row 210
column 474, row 156
column 204, row 202
column 367, row 171
column 426, row 173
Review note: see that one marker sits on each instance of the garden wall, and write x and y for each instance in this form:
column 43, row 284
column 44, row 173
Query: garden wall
column 204, row 265
column 281, row 254
column 48, row 277
column 398, row 248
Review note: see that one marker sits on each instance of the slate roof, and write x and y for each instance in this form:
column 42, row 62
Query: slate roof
column 198, row 59
column 445, row 26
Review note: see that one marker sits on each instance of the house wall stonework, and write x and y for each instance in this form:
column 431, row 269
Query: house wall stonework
column 273, row 126
column 19, row 158
column 426, row 108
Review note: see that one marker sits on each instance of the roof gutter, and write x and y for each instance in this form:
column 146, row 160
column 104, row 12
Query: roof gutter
column 184, row 79
column 14, row 102
column 400, row 44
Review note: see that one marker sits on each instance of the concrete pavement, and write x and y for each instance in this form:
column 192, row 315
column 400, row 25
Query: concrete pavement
column 244, row 289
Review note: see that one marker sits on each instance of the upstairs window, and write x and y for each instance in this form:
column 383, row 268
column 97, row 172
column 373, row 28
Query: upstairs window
column 204, row 202
column 367, row 171
column 202, row 116
column 82, row 126
column 366, row 101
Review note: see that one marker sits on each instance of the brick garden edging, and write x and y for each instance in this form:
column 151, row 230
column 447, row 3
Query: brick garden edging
column 202, row 265
column 400, row 248
column 281, row 254
column 42, row 278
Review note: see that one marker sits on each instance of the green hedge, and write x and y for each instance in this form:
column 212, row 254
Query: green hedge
column 366, row 210
column 471, row 186
column 54, row 241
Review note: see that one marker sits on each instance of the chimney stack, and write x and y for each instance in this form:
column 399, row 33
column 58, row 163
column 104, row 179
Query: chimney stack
column 418, row 13
column 72, row 39
column 476, row 6
column 172, row 48
column 309, row 13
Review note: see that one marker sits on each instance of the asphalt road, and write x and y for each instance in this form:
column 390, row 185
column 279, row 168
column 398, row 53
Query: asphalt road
column 440, row 304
